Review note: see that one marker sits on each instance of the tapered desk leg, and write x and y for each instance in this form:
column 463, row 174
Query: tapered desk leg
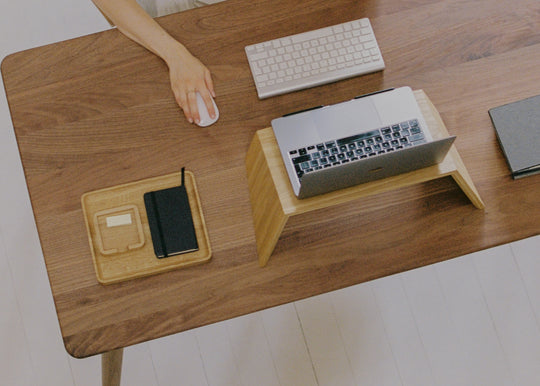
column 111, row 367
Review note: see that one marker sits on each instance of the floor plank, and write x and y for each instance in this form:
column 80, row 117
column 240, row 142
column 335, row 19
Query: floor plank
column 527, row 256
column 217, row 354
column 251, row 350
column 402, row 331
column 472, row 321
column 364, row 337
column 288, row 347
column 15, row 359
column 178, row 357
column 512, row 313
column 324, row 341
column 436, row 328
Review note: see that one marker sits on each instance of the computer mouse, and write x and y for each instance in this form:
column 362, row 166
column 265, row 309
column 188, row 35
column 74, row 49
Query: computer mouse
column 205, row 119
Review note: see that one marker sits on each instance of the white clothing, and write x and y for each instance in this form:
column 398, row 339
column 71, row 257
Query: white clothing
column 165, row 7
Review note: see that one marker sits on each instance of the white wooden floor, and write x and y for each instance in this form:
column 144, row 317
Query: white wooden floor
column 474, row 320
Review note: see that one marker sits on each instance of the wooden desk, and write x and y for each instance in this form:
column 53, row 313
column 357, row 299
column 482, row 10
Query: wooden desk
column 97, row 111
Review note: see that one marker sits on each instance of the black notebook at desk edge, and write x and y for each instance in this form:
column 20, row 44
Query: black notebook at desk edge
column 518, row 130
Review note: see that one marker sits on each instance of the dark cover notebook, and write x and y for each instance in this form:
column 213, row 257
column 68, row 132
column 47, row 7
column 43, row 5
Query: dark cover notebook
column 518, row 129
column 170, row 221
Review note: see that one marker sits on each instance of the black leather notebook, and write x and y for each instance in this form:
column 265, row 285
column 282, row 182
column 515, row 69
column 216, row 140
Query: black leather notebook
column 518, row 129
column 171, row 221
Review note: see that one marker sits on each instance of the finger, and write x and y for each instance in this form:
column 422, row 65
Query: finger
column 187, row 114
column 207, row 98
column 193, row 108
column 209, row 82
column 182, row 101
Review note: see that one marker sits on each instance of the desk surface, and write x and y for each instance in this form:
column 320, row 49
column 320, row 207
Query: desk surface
column 97, row 111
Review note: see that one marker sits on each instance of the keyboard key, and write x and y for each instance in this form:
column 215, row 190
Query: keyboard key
column 416, row 137
column 415, row 130
column 304, row 158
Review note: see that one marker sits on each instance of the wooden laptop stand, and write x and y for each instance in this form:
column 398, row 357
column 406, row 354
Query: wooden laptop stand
column 273, row 201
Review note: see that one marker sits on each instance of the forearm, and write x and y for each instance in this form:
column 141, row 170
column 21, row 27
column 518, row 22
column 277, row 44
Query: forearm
column 188, row 75
column 136, row 24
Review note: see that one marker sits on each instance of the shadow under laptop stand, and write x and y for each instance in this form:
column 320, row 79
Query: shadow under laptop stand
column 273, row 201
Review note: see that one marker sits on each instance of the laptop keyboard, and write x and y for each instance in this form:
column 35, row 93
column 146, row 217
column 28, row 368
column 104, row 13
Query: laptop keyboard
column 353, row 148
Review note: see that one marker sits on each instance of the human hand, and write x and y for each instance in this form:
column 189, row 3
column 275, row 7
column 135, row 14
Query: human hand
column 189, row 76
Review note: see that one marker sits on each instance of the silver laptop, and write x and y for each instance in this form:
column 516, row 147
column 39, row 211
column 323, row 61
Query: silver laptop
column 367, row 138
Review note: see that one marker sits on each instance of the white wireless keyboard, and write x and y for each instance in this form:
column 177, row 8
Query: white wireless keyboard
column 313, row 58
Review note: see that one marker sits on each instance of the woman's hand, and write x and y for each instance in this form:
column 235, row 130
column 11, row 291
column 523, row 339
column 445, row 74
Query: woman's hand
column 189, row 76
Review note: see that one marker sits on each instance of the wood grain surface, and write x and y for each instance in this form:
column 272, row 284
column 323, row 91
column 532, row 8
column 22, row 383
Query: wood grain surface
column 97, row 111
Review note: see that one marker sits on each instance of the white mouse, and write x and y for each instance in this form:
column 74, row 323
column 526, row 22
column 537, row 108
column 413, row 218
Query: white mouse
column 205, row 119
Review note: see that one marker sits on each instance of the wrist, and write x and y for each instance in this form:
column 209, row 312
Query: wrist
column 173, row 52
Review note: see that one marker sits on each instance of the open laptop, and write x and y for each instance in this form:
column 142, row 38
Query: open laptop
column 367, row 138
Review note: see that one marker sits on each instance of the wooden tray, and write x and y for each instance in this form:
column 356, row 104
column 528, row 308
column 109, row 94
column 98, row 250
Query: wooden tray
column 119, row 234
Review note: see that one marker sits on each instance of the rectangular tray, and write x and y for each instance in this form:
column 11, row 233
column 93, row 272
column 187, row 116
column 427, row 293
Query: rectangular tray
column 119, row 234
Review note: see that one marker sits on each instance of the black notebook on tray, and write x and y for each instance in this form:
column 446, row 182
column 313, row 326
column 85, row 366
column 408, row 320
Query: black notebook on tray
column 171, row 221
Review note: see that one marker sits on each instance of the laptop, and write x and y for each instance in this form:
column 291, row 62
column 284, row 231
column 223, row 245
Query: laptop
column 370, row 137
